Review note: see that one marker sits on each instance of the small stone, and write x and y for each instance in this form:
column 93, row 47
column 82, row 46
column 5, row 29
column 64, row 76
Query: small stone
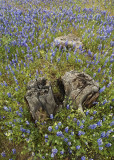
column 69, row 41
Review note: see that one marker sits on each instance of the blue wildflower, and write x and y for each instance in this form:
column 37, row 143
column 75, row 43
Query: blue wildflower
column 74, row 119
column 94, row 112
column 67, row 106
column 46, row 136
column 56, row 127
column 87, row 112
column 103, row 134
column 79, row 133
column 50, row 128
column 14, row 151
column 6, row 108
column 62, row 152
column 93, row 126
column 66, row 129
column 108, row 144
column 21, row 109
column 28, row 131
column 99, row 123
column 9, row 95
column 54, row 151
column 52, row 155
column 51, row 116
column 59, row 133
column 99, row 141
column 100, row 148
column 102, row 89
column 65, row 139
column 69, row 143
column 72, row 133
column 83, row 158
column 59, row 124
column 3, row 154
column 91, row 117
column 78, row 122
column 82, row 126
column 27, row 122
column 78, row 147
column 83, row 121
column 112, row 123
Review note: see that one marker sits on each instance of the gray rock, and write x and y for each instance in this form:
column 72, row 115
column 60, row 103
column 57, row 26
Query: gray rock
column 80, row 88
column 40, row 98
column 68, row 41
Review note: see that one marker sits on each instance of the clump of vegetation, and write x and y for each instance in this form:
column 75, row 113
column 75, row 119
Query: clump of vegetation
column 27, row 31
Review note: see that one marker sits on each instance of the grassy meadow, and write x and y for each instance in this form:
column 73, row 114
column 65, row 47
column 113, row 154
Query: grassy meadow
column 27, row 31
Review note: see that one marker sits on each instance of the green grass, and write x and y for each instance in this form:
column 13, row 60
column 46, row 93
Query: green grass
column 53, row 22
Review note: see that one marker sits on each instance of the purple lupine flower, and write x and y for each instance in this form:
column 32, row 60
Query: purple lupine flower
column 72, row 133
column 100, row 148
column 78, row 122
column 94, row 112
column 51, row 116
column 56, row 127
column 52, row 155
column 112, row 123
column 69, row 143
column 70, row 151
column 14, row 151
column 104, row 119
column 62, row 152
column 50, row 128
column 83, row 158
column 99, row 123
column 27, row 122
column 59, row 133
column 112, row 43
column 65, row 139
column 9, row 95
column 68, row 117
column 22, row 129
column 79, row 133
column 93, row 126
column 87, row 112
column 46, row 136
column 99, row 70
column 66, row 129
column 6, row 108
column 108, row 144
column 59, row 124
column 89, row 53
column 91, row 117
column 83, row 133
column 83, row 121
column 3, row 154
column 74, row 119
column 102, row 89
column 54, row 151
column 21, row 109
column 99, row 141
column 103, row 134
column 67, row 106
column 78, row 147
column 28, row 131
